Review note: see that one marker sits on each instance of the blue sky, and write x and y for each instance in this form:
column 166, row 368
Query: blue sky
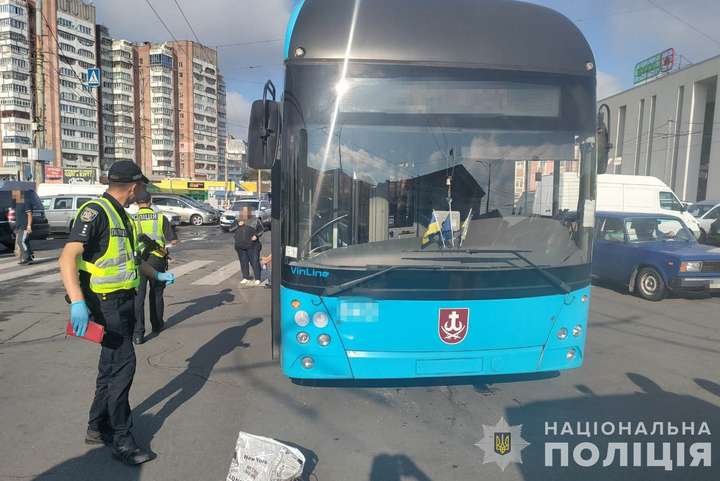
column 250, row 34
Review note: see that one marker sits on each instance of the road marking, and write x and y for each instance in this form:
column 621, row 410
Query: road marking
column 48, row 279
column 220, row 275
column 23, row 271
column 8, row 265
column 187, row 268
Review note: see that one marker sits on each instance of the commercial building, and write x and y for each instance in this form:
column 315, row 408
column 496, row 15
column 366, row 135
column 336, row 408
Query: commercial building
column 16, row 82
column 666, row 127
column 71, row 108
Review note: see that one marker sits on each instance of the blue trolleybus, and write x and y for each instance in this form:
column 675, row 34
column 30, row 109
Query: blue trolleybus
column 425, row 218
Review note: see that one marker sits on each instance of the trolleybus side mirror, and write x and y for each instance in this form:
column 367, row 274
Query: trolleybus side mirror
column 264, row 130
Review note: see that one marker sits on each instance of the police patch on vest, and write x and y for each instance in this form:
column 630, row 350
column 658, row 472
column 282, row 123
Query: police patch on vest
column 152, row 216
column 88, row 214
column 118, row 232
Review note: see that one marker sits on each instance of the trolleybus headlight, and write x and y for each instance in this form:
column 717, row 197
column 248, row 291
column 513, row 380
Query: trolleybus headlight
column 562, row 333
column 323, row 339
column 320, row 319
column 577, row 330
column 302, row 337
column 307, row 362
column 302, row 318
column 570, row 355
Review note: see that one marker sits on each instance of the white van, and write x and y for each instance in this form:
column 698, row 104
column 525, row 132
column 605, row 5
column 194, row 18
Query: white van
column 615, row 193
column 641, row 194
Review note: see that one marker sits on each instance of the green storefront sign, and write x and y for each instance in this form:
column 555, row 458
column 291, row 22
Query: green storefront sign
column 653, row 66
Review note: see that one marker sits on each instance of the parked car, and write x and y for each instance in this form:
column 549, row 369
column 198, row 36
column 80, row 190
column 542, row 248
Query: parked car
column 706, row 212
column 243, row 209
column 61, row 209
column 653, row 254
column 8, row 215
column 188, row 212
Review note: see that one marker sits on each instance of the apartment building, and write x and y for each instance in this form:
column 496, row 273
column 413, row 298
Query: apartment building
column 71, row 115
column 156, row 110
column 222, row 127
column 16, row 82
column 117, row 119
column 198, row 109
column 236, row 159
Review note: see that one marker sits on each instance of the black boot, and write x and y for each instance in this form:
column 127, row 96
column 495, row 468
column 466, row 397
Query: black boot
column 138, row 339
column 127, row 452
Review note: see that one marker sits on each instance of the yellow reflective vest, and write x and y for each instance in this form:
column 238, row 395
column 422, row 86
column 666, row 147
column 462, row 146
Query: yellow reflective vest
column 117, row 268
column 150, row 223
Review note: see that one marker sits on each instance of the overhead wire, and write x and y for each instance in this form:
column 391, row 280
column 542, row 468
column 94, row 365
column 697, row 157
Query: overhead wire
column 187, row 21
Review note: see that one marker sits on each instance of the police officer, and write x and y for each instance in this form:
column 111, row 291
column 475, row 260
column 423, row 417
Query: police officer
column 102, row 247
column 157, row 228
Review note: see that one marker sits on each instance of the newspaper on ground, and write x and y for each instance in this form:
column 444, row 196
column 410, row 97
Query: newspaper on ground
column 264, row 459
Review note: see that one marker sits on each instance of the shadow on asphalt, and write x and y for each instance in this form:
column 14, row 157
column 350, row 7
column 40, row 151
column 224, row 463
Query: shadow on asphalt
column 200, row 305
column 650, row 404
column 98, row 464
column 480, row 383
column 398, row 467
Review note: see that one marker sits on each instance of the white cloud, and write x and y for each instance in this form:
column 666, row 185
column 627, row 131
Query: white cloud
column 238, row 114
column 607, row 85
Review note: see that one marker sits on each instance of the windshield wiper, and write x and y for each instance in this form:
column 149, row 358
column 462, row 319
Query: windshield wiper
column 337, row 289
column 552, row 278
column 322, row 228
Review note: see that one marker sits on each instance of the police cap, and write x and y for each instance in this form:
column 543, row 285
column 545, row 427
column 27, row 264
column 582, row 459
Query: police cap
column 126, row 171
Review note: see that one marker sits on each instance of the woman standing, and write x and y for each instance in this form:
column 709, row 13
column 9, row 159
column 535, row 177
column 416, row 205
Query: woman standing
column 247, row 246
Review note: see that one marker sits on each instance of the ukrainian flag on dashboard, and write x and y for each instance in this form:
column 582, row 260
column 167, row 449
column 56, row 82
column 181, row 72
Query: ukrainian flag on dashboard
column 432, row 231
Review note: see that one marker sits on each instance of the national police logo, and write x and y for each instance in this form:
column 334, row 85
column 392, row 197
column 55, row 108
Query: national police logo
column 502, row 444
column 88, row 214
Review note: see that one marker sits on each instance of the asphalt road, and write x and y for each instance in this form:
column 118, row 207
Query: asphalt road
column 209, row 375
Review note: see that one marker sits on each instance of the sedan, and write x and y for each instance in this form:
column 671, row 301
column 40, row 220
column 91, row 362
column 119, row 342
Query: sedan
column 653, row 255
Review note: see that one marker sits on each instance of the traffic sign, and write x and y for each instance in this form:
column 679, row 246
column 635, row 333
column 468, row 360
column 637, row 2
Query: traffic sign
column 93, row 77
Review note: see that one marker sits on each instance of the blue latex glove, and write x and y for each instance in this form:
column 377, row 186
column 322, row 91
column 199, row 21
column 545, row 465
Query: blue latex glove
column 79, row 316
column 167, row 277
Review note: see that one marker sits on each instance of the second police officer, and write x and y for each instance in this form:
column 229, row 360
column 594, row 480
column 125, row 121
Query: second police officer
column 157, row 228
column 99, row 267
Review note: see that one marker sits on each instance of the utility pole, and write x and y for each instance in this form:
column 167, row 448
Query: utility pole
column 39, row 167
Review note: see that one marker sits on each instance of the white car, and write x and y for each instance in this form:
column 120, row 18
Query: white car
column 706, row 212
column 243, row 209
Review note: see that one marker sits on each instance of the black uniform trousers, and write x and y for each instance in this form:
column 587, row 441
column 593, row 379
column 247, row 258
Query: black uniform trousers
column 157, row 302
column 110, row 410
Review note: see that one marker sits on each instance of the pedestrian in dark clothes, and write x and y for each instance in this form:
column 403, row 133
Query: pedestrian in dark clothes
column 247, row 239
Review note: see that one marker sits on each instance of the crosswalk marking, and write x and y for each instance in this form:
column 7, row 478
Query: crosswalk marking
column 23, row 271
column 48, row 279
column 181, row 270
column 8, row 265
column 220, row 275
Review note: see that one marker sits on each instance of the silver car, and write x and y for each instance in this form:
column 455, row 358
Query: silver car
column 243, row 209
column 60, row 210
column 188, row 212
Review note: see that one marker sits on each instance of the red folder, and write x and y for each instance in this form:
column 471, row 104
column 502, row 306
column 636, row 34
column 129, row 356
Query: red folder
column 95, row 332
